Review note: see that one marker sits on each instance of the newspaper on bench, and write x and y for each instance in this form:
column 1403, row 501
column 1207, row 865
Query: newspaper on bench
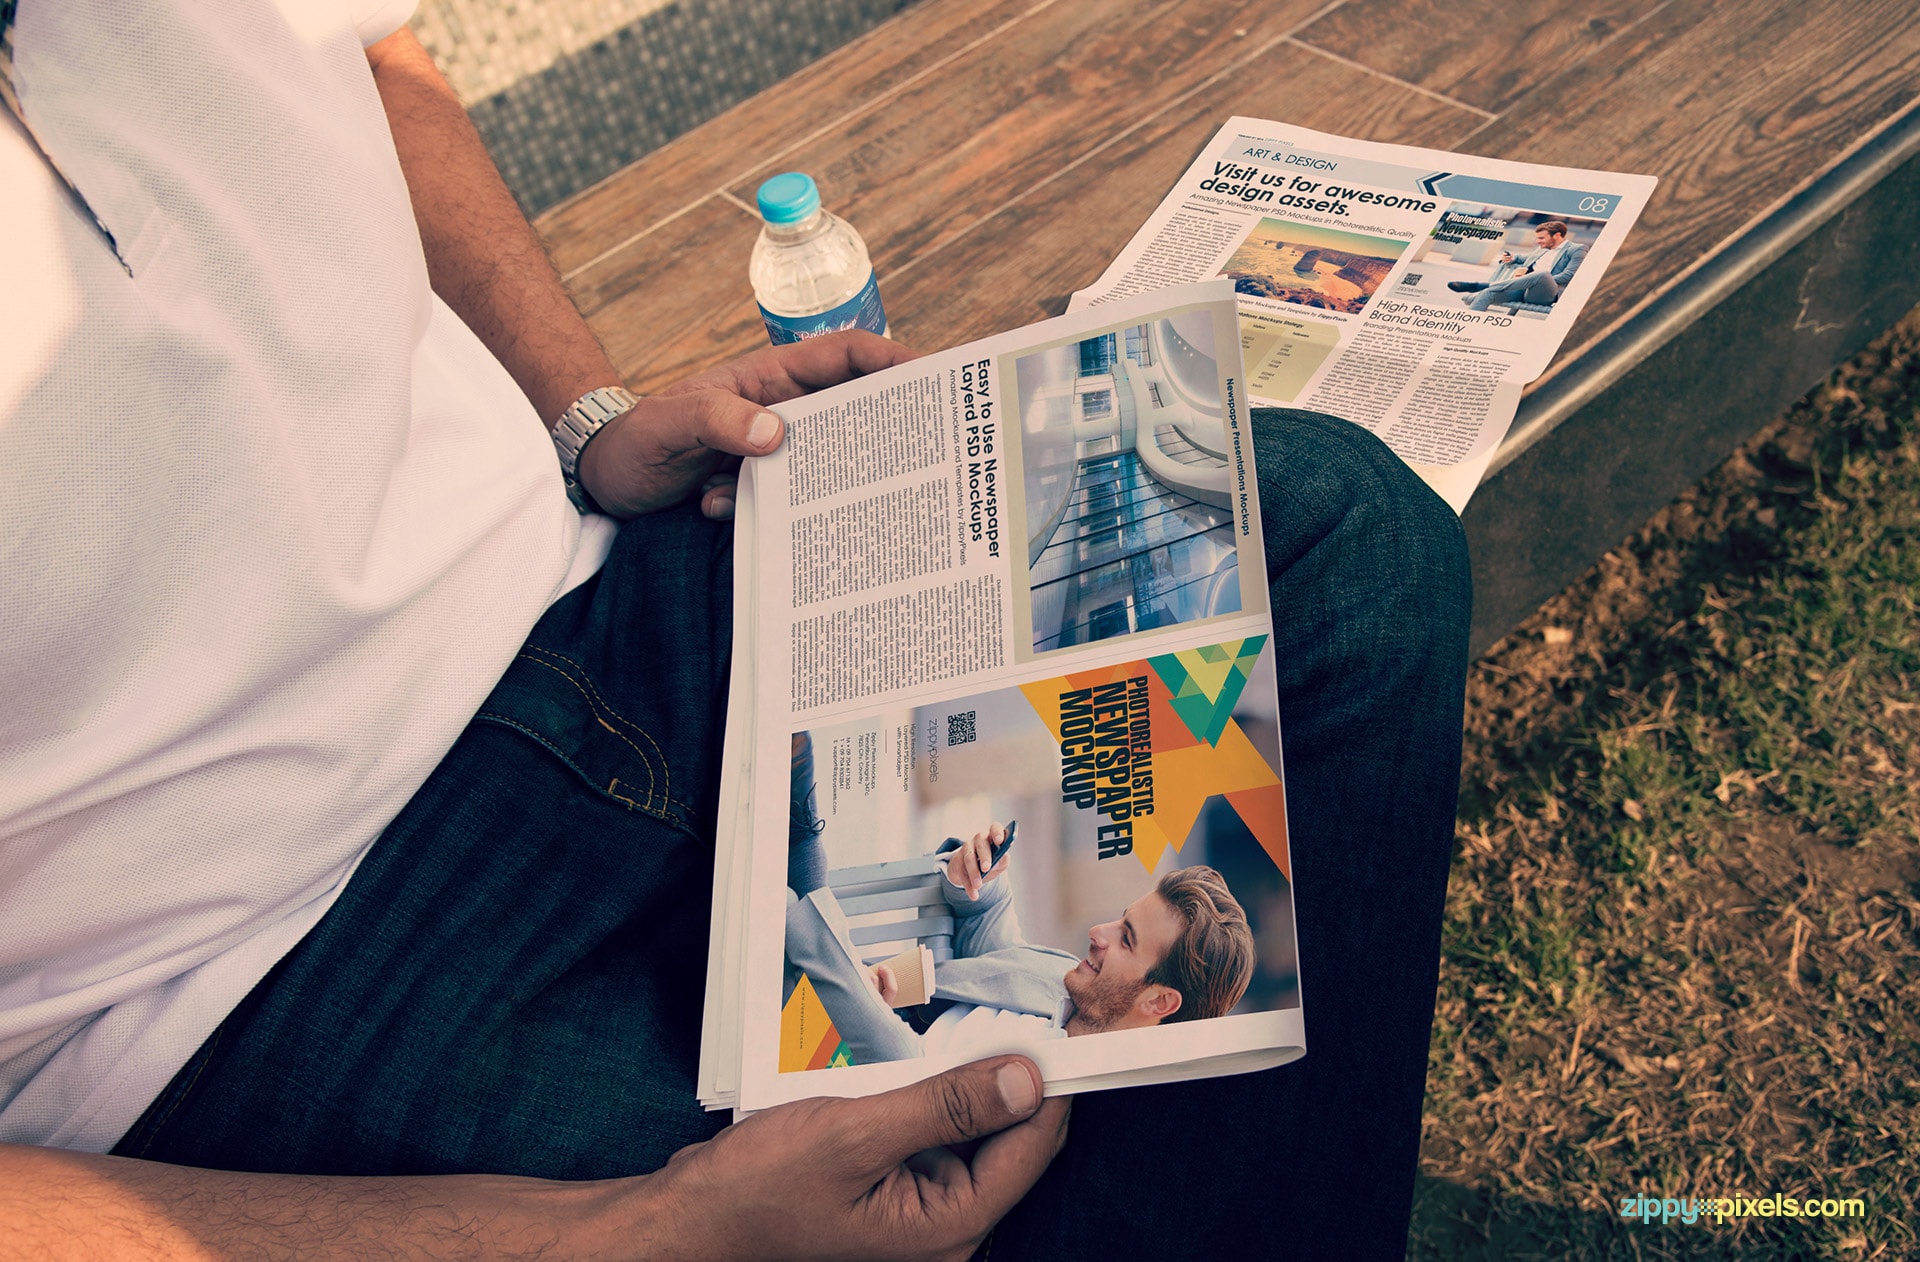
column 1412, row 291
column 1012, row 588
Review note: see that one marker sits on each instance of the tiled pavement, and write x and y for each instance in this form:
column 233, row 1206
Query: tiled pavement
column 566, row 92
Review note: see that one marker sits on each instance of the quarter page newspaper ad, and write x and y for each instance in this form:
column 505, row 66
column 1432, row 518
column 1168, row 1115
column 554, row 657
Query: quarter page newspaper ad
column 1412, row 291
column 1008, row 608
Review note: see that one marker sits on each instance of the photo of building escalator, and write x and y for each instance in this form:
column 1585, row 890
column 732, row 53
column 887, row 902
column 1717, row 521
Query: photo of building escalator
column 1126, row 465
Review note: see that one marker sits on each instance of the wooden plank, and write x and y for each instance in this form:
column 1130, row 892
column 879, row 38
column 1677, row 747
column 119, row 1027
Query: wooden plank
column 754, row 135
column 1732, row 111
column 1488, row 56
column 940, row 157
column 988, row 126
column 679, row 301
column 1009, row 102
column 682, row 302
column 1020, row 265
column 937, row 925
column 864, row 901
column 1014, row 149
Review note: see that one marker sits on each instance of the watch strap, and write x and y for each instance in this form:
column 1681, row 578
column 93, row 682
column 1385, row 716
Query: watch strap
column 587, row 416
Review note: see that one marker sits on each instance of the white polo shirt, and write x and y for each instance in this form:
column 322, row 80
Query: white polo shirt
column 272, row 524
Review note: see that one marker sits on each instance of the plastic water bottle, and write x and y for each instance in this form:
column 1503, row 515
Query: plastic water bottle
column 810, row 270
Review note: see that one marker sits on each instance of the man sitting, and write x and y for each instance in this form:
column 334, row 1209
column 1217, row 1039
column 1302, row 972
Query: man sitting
column 1539, row 281
column 357, row 791
column 1182, row 951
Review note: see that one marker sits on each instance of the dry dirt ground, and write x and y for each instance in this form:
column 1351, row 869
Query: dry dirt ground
column 1682, row 952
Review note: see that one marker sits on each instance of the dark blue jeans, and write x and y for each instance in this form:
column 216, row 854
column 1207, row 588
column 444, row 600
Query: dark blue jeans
column 512, row 980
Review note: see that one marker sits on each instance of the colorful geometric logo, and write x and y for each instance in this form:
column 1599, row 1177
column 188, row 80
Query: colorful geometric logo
column 1207, row 681
column 808, row 1039
column 1198, row 750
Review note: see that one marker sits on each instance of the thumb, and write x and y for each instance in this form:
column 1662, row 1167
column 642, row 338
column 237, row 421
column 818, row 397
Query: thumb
column 723, row 421
column 949, row 1108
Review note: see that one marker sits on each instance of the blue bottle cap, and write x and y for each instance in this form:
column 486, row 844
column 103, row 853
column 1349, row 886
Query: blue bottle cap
column 788, row 198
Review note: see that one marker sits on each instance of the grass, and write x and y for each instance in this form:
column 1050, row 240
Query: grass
column 1682, row 945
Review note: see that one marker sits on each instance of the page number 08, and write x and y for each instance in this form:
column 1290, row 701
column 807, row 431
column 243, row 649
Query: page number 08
column 1594, row 203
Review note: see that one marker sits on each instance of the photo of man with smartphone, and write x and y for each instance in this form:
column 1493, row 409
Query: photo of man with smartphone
column 1181, row 950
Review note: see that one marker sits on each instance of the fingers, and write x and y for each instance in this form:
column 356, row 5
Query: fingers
column 717, row 496
column 950, row 1108
column 1009, row 1163
column 978, row 864
column 963, row 868
column 872, row 1177
column 659, row 452
column 786, row 372
column 655, row 455
column 942, row 1165
column 886, row 983
column 837, row 357
column 995, row 835
column 722, row 421
column 970, row 866
column 958, row 866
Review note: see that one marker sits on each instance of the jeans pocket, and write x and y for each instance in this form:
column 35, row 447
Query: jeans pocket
column 550, row 698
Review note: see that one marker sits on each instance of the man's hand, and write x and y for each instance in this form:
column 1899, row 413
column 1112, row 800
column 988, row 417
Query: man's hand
column 881, row 975
column 972, row 866
column 663, row 449
column 869, row 1178
column 485, row 262
column 822, row 1178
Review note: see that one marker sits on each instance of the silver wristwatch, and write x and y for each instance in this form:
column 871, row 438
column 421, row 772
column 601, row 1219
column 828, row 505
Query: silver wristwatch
column 576, row 426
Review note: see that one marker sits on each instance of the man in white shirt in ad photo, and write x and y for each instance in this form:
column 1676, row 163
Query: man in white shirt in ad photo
column 1181, row 951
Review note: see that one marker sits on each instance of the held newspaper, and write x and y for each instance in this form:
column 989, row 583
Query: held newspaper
column 1020, row 581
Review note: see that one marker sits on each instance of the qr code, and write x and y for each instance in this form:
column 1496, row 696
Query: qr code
column 960, row 728
column 1411, row 278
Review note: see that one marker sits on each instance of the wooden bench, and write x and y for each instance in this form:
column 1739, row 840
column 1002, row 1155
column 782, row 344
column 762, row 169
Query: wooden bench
column 996, row 155
column 894, row 905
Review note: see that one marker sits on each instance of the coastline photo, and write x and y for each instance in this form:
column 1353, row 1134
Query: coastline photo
column 950, row 883
column 1127, row 470
column 1312, row 266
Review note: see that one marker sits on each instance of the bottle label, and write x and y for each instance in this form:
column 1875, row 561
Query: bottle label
column 862, row 311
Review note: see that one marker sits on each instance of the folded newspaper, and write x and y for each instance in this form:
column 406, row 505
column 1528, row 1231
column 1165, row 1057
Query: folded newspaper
column 1412, row 291
column 1008, row 602
column 1002, row 765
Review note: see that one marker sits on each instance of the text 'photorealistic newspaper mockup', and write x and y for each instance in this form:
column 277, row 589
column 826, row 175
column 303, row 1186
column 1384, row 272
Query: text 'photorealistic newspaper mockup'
column 1412, row 291
column 1003, row 727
